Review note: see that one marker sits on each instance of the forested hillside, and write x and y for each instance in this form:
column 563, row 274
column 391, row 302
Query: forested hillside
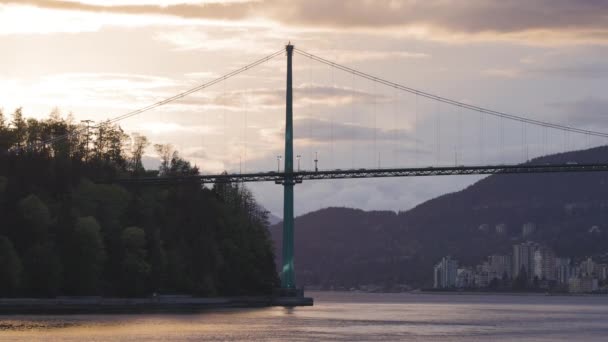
column 67, row 229
column 341, row 247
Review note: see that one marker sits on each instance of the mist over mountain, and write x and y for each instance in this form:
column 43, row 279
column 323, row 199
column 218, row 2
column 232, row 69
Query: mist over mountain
column 273, row 219
column 342, row 247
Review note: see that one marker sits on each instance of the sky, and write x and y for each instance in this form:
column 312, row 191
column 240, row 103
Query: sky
column 540, row 59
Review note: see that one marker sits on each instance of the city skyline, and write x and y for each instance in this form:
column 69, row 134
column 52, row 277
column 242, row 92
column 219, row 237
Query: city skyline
column 530, row 266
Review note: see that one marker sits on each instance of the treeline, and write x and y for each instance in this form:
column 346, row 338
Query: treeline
column 67, row 229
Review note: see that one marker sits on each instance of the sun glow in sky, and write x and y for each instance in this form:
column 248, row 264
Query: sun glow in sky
column 98, row 59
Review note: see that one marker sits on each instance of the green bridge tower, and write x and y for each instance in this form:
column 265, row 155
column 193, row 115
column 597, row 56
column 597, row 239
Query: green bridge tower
column 288, row 273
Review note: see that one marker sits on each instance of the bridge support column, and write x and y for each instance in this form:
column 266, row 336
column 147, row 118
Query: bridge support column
column 288, row 272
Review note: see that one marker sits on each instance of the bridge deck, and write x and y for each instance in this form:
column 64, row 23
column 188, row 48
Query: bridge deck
column 300, row 176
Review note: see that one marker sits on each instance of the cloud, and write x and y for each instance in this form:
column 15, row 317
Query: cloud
column 263, row 98
column 266, row 39
column 350, row 56
column 586, row 112
column 503, row 72
column 581, row 70
column 325, row 130
column 15, row 18
column 156, row 128
column 115, row 91
column 195, row 38
column 538, row 21
column 196, row 153
column 215, row 10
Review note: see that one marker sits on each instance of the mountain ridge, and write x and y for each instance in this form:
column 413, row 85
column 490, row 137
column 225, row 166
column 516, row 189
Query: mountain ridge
column 343, row 247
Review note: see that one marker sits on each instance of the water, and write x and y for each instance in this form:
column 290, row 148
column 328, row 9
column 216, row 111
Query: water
column 343, row 317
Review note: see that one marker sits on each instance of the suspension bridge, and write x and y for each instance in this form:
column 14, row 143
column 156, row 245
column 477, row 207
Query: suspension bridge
column 496, row 154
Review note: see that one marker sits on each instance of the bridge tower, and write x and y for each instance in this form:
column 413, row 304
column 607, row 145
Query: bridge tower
column 288, row 272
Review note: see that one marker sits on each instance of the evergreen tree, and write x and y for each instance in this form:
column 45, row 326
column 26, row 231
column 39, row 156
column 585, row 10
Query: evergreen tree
column 62, row 229
column 42, row 269
column 135, row 267
column 86, row 255
column 10, row 268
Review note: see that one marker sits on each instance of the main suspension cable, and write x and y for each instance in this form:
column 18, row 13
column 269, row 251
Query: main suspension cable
column 165, row 101
column 450, row 101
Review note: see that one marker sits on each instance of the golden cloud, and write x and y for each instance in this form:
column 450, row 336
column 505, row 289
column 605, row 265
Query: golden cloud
column 533, row 21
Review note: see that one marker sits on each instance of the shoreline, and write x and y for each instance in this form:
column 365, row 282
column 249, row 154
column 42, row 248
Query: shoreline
column 506, row 293
column 177, row 304
column 472, row 293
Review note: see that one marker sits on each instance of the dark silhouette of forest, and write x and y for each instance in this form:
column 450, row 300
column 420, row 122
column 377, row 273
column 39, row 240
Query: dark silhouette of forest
column 67, row 229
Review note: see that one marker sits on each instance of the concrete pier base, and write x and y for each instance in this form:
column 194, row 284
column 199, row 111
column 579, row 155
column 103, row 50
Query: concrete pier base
column 292, row 301
column 291, row 297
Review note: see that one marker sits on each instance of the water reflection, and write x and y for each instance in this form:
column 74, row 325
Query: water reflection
column 289, row 310
column 341, row 317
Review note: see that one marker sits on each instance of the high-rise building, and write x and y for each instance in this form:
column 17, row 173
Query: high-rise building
column 499, row 266
column 582, row 285
column 523, row 259
column 528, row 228
column 563, row 270
column 601, row 271
column 587, row 267
column 465, row 278
column 484, row 227
column 482, row 278
column 544, row 263
column 502, row 228
column 445, row 272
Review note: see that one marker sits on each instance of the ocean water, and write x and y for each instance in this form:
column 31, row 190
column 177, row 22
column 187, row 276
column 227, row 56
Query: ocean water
column 343, row 317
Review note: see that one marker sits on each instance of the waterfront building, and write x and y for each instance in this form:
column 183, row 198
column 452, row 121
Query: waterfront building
column 445, row 272
column 482, row 277
column 602, row 271
column 544, row 263
column 499, row 266
column 501, row 228
column 523, row 258
column 563, row 270
column 528, row 229
column 465, row 278
column 484, row 227
column 582, row 285
column 587, row 267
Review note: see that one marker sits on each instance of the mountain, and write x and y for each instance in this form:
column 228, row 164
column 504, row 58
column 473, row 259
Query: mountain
column 342, row 247
column 273, row 219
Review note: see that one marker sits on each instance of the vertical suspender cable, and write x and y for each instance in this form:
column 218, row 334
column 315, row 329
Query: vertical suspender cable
column 352, row 122
column 375, row 125
column 526, row 142
column 435, row 134
column 523, row 145
column 242, row 136
column 224, row 130
column 416, row 132
column 310, row 115
column 545, row 141
column 331, row 118
column 502, row 140
column 480, row 138
column 438, row 133
column 459, row 149
column 247, row 102
column 203, row 132
column 395, row 129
